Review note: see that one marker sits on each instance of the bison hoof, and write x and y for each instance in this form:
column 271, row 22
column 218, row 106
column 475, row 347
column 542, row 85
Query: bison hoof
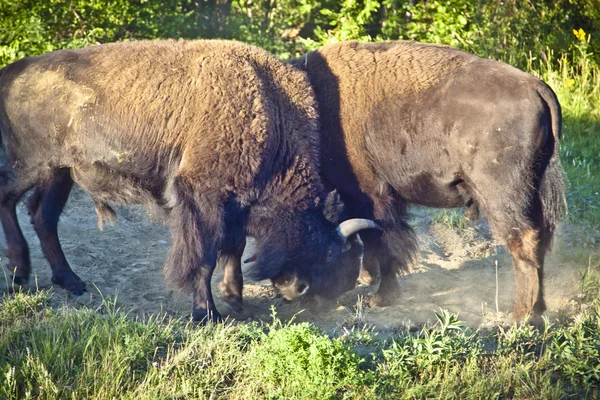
column 70, row 282
column 367, row 278
column 321, row 305
column 382, row 300
column 204, row 316
column 17, row 276
column 19, row 280
column 233, row 304
column 534, row 320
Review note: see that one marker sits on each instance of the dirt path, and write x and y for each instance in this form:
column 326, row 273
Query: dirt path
column 456, row 271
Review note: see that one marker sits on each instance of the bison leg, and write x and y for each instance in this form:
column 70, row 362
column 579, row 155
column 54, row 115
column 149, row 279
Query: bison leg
column 45, row 206
column 472, row 212
column 196, row 229
column 528, row 248
column 233, row 283
column 389, row 288
column 528, row 264
column 394, row 250
column 17, row 250
column 523, row 227
column 370, row 269
column 377, row 254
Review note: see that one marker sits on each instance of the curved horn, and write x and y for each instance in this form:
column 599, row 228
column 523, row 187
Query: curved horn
column 351, row 226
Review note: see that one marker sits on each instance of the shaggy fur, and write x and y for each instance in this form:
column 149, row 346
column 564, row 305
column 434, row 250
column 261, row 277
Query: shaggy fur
column 405, row 122
column 221, row 135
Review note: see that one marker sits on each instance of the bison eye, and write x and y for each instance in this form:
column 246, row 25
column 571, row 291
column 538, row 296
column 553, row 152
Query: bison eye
column 329, row 255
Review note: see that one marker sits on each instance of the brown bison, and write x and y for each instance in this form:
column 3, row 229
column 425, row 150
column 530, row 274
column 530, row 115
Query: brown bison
column 405, row 122
column 220, row 135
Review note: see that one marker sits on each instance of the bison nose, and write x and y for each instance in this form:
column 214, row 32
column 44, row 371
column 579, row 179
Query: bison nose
column 291, row 288
column 302, row 289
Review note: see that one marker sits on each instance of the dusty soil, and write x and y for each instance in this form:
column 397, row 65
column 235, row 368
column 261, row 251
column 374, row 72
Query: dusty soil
column 457, row 271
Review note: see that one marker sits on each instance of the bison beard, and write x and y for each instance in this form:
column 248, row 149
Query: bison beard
column 219, row 135
column 405, row 122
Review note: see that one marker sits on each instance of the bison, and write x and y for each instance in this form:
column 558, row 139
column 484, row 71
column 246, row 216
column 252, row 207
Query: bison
column 219, row 135
column 405, row 122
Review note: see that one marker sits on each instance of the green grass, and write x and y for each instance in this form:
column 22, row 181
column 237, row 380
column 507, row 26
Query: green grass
column 577, row 86
column 451, row 218
column 106, row 353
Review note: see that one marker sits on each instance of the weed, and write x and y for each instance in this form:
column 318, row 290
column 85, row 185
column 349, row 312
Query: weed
column 452, row 218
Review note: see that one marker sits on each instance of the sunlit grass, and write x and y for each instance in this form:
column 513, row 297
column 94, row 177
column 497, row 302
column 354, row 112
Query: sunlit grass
column 577, row 85
column 106, row 353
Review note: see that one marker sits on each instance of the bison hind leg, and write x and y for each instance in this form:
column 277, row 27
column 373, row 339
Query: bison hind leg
column 522, row 228
column 45, row 206
column 527, row 249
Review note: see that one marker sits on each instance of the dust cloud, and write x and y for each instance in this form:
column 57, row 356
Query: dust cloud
column 456, row 270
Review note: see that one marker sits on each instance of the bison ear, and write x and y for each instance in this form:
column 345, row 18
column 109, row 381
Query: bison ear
column 333, row 207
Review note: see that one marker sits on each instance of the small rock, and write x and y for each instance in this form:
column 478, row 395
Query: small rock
column 140, row 263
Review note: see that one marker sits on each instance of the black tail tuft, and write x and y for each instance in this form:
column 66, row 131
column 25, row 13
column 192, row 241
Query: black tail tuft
column 552, row 186
column 552, row 194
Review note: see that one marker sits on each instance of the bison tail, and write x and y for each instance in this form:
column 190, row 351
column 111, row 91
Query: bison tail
column 552, row 185
column 552, row 194
column 103, row 210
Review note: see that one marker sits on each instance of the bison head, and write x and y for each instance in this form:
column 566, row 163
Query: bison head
column 309, row 253
column 331, row 282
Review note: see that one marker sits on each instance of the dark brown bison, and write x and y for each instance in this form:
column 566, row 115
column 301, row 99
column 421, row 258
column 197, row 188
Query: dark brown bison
column 405, row 122
column 220, row 135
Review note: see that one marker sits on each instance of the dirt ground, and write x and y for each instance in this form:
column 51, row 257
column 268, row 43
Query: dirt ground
column 456, row 271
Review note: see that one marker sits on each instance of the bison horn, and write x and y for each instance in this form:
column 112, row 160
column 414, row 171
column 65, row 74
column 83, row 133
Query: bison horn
column 351, row 226
column 251, row 259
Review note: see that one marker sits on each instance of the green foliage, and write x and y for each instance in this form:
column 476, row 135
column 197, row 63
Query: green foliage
column 85, row 353
column 288, row 356
column 444, row 22
column 575, row 349
column 451, row 218
column 21, row 305
column 510, row 30
column 590, row 281
column 34, row 27
column 411, row 355
column 105, row 354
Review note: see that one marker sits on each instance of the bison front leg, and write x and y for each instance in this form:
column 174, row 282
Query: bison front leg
column 389, row 288
column 229, row 261
column 232, row 284
column 196, row 229
column 369, row 273
column 393, row 251
column 45, row 206
column 204, row 304
column 379, row 259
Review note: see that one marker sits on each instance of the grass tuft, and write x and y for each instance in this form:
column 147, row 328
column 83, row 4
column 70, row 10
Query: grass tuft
column 106, row 354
